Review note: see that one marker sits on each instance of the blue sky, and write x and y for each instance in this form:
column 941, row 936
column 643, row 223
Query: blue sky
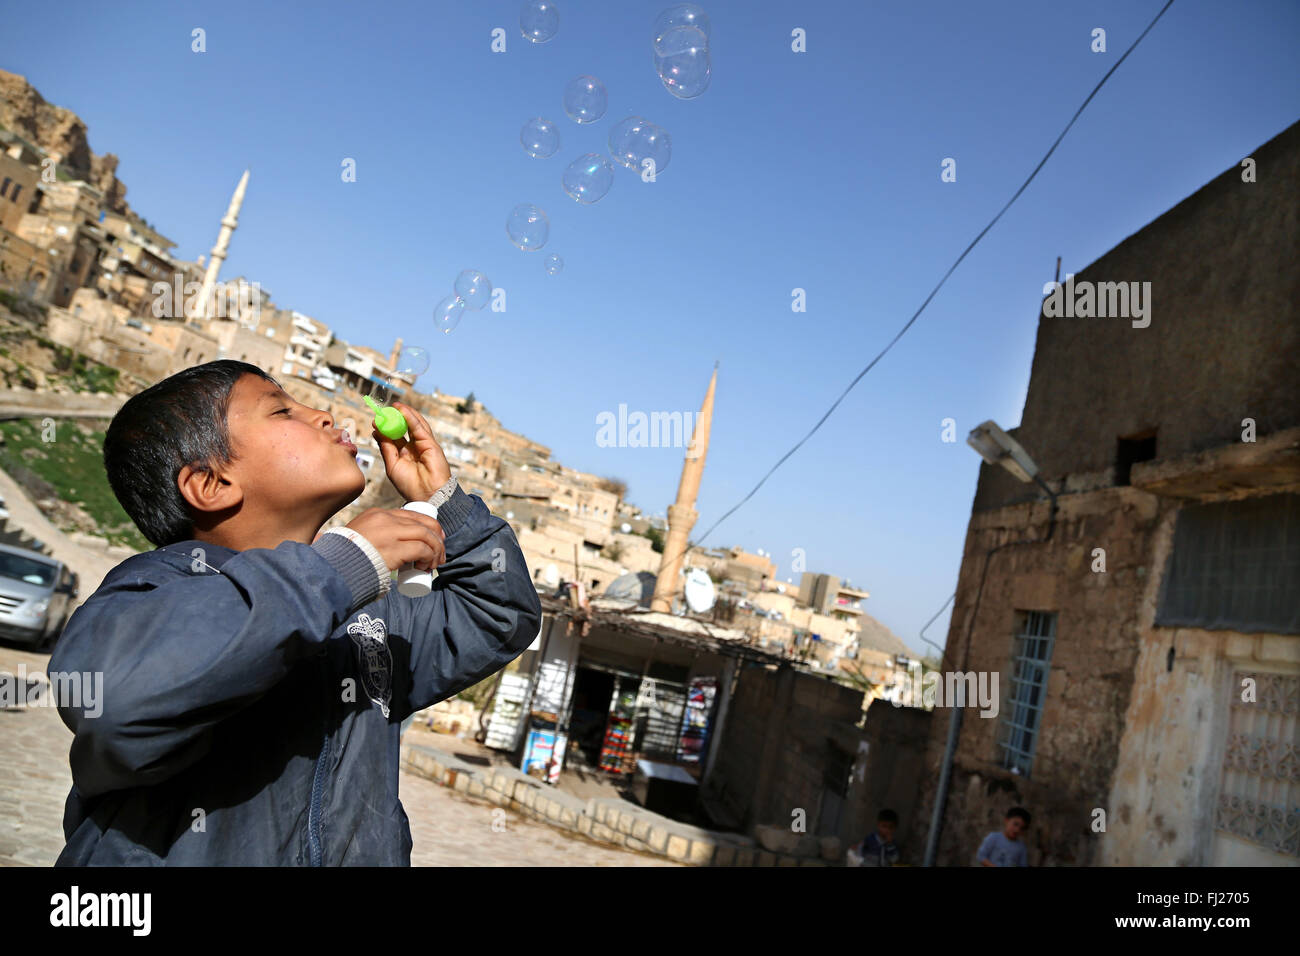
column 818, row 170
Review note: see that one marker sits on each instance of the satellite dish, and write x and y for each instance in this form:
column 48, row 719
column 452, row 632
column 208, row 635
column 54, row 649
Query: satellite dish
column 625, row 528
column 699, row 591
column 551, row 576
column 639, row 587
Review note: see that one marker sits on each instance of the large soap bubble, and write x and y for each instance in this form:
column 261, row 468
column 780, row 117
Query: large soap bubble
column 540, row 138
column 554, row 264
column 585, row 99
column 412, row 362
column 528, row 227
column 474, row 288
column 682, row 15
column 588, row 178
column 539, row 20
column 448, row 313
column 682, row 61
column 636, row 139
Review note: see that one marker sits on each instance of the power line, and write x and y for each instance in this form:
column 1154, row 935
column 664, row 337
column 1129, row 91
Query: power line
column 917, row 314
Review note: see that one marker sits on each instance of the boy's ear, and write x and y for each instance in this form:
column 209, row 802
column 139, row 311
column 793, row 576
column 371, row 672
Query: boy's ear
column 207, row 490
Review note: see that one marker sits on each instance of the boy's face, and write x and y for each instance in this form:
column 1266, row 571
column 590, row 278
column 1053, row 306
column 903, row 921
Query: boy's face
column 290, row 458
column 885, row 830
column 1012, row 827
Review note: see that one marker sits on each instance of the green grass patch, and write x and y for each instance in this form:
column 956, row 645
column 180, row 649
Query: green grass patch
column 73, row 465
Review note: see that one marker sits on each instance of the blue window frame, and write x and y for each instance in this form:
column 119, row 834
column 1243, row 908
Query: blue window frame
column 1031, row 663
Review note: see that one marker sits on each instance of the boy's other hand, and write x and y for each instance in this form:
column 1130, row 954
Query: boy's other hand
column 415, row 464
column 402, row 537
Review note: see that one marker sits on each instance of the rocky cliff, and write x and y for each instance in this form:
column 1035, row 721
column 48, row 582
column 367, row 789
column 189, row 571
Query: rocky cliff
column 62, row 134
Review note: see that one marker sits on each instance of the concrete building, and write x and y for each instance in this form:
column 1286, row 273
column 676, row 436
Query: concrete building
column 1145, row 625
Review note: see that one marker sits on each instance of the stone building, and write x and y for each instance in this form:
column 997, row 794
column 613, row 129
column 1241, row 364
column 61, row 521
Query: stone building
column 1145, row 621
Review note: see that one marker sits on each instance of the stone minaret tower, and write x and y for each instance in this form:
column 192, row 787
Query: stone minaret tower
column 203, row 307
column 682, row 514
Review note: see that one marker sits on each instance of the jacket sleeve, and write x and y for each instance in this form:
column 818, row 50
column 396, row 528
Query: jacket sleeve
column 482, row 613
column 178, row 653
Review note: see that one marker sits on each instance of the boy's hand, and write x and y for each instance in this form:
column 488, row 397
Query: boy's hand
column 402, row 537
column 415, row 464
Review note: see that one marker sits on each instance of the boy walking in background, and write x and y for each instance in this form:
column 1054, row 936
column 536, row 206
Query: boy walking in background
column 1006, row 848
column 255, row 672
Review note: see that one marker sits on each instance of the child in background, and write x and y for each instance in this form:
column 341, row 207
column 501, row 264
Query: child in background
column 879, row 848
column 1006, row 848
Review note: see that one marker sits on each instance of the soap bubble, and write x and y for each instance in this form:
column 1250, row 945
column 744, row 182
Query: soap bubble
column 588, row 178
column 528, row 227
column 539, row 20
column 554, row 264
column 474, row 288
column 412, row 362
column 682, row 15
column 448, row 313
column 540, row 138
column 636, row 139
column 682, row 61
column 585, row 99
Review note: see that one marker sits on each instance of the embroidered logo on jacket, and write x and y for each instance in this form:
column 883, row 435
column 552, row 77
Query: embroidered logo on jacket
column 374, row 659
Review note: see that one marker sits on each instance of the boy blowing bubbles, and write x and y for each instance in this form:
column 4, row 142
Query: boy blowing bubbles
column 256, row 672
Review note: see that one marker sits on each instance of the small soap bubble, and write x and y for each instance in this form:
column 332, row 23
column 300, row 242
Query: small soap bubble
column 682, row 15
column 539, row 20
column 474, row 288
column 585, row 99
column 588, row 178
column 554, row 264
column 528, row 227
column 448, row 313
column 412, row 362
column 636, row 139
column 540, row 138
column 682, row 61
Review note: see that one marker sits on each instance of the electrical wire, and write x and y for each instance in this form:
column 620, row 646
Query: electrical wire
column 917, row 314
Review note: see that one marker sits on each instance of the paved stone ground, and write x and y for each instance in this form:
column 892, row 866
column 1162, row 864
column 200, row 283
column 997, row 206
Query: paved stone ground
column 451, row 829
column 34, row 775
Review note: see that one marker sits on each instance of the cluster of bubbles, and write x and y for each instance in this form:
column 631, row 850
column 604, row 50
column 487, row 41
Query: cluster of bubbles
column 539, row 20
column 412, row 362
column 471, row 291
column 681, row 50
column 681, row 56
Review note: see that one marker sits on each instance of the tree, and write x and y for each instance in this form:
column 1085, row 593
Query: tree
column 467, row 406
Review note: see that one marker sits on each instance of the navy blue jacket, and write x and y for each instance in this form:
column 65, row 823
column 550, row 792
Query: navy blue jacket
column 252, row 700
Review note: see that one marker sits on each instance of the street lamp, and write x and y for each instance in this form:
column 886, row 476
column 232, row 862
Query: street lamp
column 998, row 448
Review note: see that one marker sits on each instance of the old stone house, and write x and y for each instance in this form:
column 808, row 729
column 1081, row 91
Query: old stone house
column 1146, row 626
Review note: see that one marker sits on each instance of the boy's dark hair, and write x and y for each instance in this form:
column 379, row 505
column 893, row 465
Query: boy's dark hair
column 1020, row 812
column 887, row 816
column 179, row 421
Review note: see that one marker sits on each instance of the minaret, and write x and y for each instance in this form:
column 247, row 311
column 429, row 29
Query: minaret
column 203, row 307
column 682, row 514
